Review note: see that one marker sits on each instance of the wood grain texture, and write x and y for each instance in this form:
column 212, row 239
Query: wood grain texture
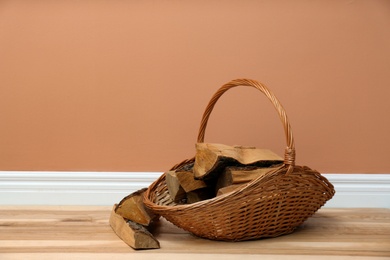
column 84, row 233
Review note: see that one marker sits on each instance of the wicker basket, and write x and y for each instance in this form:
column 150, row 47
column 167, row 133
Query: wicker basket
column 269, row 206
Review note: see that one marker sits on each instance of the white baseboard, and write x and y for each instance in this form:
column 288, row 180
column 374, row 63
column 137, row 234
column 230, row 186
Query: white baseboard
column 108, row 188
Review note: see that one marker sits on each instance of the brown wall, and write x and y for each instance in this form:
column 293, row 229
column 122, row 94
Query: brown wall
column 121, row 85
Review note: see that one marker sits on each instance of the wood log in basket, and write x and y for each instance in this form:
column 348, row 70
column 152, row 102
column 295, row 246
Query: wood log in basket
column 232, row 176
column 175, row 190
column 211, row 159
column 184, row 188
column 188, row 182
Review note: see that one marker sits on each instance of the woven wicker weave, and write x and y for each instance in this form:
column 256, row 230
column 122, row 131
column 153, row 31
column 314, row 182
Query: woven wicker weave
column 269, row 206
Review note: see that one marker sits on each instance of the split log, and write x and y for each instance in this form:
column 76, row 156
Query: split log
column 132, row 208
column 184, row 188
column 211, row 159
column 188, row 182
column 239, row 175
column 133, row 234
column 176, row 191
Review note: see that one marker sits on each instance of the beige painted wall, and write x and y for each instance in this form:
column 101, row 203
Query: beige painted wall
column 121, row 85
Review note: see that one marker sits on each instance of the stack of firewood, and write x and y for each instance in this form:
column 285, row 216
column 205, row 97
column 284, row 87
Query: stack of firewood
column 217, row 170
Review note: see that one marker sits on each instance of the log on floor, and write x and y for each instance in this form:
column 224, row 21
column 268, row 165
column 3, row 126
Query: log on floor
column 132, row 233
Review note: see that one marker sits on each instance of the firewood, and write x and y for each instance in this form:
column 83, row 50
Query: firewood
column 132, row 208
column 211, row 159
column 237, row 175
column 175, row 190
column 188, row 182
column 133, row 234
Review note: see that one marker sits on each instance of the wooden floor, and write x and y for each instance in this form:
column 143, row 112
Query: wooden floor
column 84, row 233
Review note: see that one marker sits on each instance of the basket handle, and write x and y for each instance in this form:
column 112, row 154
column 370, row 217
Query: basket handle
column 289, row 155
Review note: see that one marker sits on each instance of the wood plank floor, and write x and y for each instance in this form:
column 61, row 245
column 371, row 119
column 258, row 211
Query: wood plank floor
column 64, row 232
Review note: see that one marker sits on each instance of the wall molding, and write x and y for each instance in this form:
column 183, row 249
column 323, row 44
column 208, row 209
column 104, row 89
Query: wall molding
column 107, row 188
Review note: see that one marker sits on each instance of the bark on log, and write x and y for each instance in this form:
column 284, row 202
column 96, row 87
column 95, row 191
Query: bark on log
column 133, row 234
